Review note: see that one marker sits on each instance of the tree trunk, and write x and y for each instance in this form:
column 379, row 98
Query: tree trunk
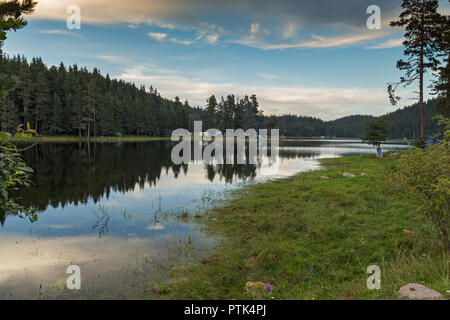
column 422, row 117
column 25, row 108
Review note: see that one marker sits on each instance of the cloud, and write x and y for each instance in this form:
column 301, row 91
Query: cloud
column 157, row 36
column 211, row 39
column 289, row 30
column 317, row 12
column 328, row 16
column 267, row 76
column 183, row 42
column 156, row 226
column 113, row 59
column 61, row 32
column 254, row 30
column 324, row 102
column 391, row 43
column 316, row 41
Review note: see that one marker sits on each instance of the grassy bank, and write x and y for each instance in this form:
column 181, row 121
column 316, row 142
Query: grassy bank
column 313, row 238
column 54, row 139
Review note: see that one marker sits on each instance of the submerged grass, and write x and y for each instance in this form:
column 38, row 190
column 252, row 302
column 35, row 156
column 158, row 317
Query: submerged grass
column 311, row 237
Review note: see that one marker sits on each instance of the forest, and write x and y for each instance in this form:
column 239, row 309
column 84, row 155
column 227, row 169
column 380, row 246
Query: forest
column 75, row 101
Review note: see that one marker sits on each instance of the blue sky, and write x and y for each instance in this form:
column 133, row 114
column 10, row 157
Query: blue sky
column 314, row 58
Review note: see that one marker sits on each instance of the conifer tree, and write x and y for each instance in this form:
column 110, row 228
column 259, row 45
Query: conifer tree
column 442, row 85
column 419, row 18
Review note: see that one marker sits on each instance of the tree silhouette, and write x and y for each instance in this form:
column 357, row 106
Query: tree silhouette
column 419, row 17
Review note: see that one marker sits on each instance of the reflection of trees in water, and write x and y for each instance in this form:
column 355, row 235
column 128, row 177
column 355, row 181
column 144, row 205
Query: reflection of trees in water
column 74, row 173
column 228, row 172
column 297, row 154
column 242, row 172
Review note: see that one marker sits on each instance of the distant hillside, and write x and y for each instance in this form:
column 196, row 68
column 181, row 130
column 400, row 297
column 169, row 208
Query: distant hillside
column 403, row 123
column 351, row 126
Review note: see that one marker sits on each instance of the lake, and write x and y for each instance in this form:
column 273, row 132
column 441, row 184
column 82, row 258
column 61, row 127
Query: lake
column 124, row 213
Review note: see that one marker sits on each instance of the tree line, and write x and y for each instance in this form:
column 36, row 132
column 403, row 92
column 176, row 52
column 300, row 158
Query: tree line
column 74, row 101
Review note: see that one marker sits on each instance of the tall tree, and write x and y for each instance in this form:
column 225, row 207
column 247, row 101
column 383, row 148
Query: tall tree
column 419, row 18
column 211, row 109
column 442, row 85
column 11, row 12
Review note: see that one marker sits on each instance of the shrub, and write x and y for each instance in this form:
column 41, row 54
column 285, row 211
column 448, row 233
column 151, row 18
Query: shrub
column 14, row 173
column 426, row 174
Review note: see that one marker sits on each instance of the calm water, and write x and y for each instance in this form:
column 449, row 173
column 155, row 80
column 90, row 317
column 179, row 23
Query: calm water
column 121, row 211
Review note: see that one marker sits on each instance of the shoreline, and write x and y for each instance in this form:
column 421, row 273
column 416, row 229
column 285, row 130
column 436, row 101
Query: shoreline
column 74, row 139
column 318, row 242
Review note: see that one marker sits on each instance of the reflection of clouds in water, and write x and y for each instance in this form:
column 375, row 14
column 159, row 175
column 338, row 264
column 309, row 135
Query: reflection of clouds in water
column 60, row 226
column 156, row 226
column 34, row 258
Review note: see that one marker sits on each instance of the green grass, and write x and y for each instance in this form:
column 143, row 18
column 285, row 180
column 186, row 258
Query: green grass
column 53, row 139
column 274, row 232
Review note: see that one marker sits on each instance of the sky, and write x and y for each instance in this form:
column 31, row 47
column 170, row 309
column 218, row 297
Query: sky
column 312, row 58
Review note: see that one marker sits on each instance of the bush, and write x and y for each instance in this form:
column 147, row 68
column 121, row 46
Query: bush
column 14, row 173
column 426, row 174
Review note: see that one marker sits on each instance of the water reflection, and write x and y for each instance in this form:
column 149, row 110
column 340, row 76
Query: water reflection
column 74, row 174
column 101, row 204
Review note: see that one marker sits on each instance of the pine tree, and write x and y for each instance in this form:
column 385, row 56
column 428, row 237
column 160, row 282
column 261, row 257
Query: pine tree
column 11, row 12
column 442, row 85
column 9, row 117
column 211, row 110
column 419, row 17
column 40, row 100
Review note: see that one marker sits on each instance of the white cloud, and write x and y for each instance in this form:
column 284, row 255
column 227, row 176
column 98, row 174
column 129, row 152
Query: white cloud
column 391, row 43
column 323, row 102
column 316, row 41
column 267, row 76
column 61, row 32
column 113, row 59
column 157, row 36
column 156, row 226
column 254, row 30
column 289, row 30
column 183, row 42
column 211, row 39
